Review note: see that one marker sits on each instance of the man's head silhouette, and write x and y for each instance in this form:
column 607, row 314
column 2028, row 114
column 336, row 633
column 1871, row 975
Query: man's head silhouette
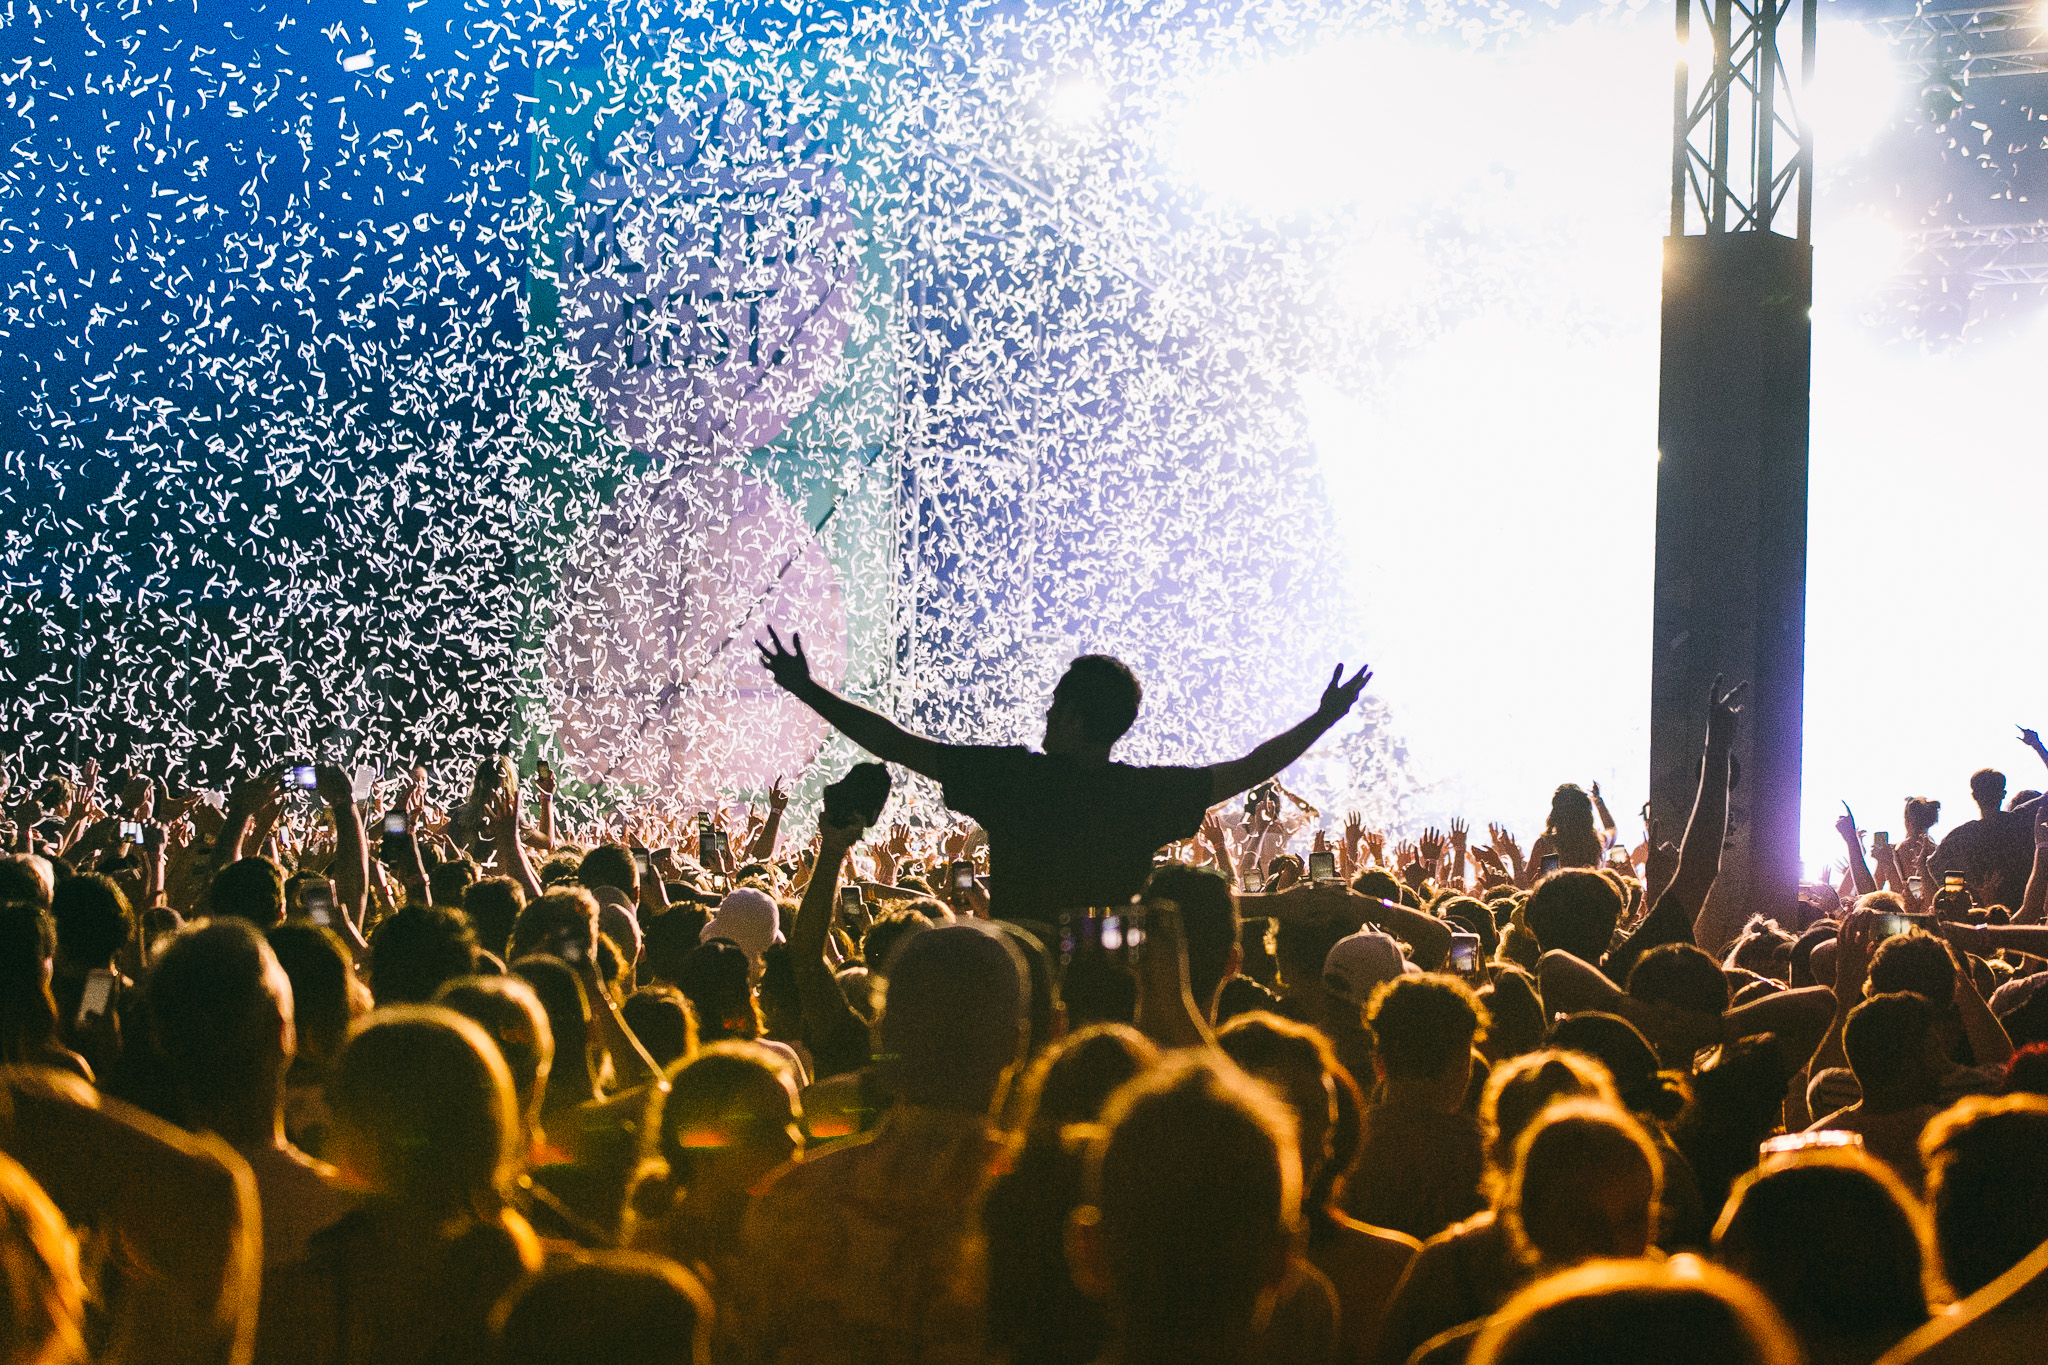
column 1094, row 704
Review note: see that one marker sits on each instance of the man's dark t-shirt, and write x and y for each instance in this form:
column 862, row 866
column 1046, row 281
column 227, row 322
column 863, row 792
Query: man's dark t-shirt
column 2000, row 845
column 1064, row 834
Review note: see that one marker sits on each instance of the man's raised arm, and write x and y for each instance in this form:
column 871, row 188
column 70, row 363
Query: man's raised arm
column 1228, row 779
column 876, row 733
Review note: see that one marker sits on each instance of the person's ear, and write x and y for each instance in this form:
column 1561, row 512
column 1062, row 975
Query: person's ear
column 1087, row 1258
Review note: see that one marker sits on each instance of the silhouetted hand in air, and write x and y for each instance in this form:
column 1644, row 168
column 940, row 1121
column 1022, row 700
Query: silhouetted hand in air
column 1722, row 709
column 790, row 669
column 1339, row 696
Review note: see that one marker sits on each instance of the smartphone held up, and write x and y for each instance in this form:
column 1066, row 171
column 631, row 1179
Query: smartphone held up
column 99, row 993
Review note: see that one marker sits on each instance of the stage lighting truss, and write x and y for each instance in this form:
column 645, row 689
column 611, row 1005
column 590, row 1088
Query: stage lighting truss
column 1957, row 46
column 1740, row 148
column 1946, row 270
column 2002, row 255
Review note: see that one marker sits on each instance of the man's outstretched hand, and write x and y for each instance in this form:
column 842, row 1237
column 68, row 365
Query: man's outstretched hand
column 1340, row 696
column 790, row 669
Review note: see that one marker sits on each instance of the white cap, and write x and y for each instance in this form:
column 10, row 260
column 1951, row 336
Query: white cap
column 749, row 918
column 1358, row 964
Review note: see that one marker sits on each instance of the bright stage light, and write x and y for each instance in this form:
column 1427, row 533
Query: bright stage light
column 1371, row 122
column 1697, row 51
column 1854, row 256
column 1493, row 479
column 1856, row 92
column 1077, row 102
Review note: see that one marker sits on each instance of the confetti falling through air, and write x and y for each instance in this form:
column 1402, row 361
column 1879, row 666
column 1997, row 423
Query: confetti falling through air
column 392, row 381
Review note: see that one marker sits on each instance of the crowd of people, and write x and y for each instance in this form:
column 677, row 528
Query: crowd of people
column 1116, row 1064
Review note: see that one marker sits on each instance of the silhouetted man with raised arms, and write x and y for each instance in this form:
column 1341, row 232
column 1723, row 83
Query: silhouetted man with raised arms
column 1067, row 828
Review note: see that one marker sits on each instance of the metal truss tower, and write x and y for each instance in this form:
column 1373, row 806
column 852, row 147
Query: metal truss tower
column 1732, row 437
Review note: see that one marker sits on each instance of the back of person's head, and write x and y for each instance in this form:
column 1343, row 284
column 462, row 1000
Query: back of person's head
column 1571, row 811
column 1516, row 1007
column 1676, row 1312
column 717, row 980
column 1763, row 948
column 884, row 933
column 660, row 1018
column 93, row 920
column 671, row 936
column 1071, row 1080
column 1987, row 1185
column 42, row 1297
column 325, row 994
column 221, row 1009
column 1917, row 962
column 423, row 1112
column 1922, row 814
column 1631, row 1062
column 562, row 923
column 507, row 1009
column 954, row 1017
column 1302, row 946
column 2027, row 1072
column 28, row 943
column 1301, row 1066
column 1471, row 915
column 1194, row 1187
column 448, row 882
column 1038, row 979
column 1987, row 787
column 1574, row 910
column 558, row 867
column 1103, row 695
column 1423, row 1027
column 1209, row 922
column 27, row 877
column 1835, row 1241
column 1378, row 883
column 250, row 889
column 605, row 1308
column 1681, row 975
column 561, row 995
column 418, row 949
column 733, row 1104
column 493, row 907
column 1523, row 1087
column 609, row 865
column 1585, row 1185
column 1886, row 1041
